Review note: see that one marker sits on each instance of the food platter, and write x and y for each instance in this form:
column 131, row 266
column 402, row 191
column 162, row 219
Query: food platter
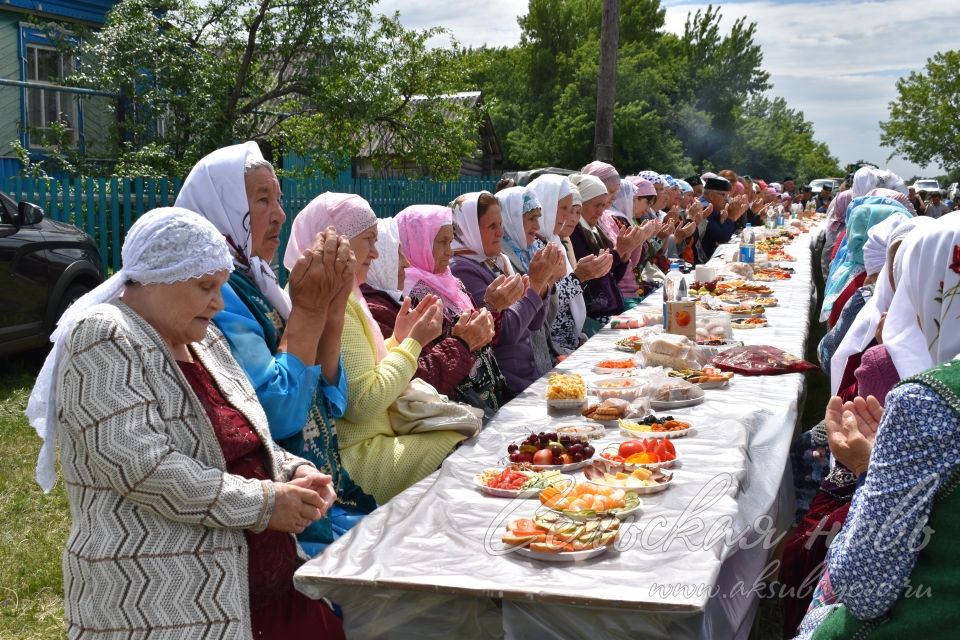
column 659, row 480
column 539, row 479
column 582, row 501
column 627, row 430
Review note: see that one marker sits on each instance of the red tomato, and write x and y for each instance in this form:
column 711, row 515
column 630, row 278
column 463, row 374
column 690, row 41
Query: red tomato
column 630, row 447
column 668, row 446
column 650, row 445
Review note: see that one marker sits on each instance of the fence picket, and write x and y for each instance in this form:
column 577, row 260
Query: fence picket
column 106, row 207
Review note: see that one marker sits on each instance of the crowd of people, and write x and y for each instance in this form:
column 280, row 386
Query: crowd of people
column 245, row 426
column 892, row 268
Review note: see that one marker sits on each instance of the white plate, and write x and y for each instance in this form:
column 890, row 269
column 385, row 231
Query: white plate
column 748, row 326
column 713, row 385
column 640, row 491
column 625, row 373
column 563, row 556
column 504, row 493
column 573, row 515
column 566, row 404
column 666, row 405
column 596, row 432
column 563, row 468
column 633, row 435
column 630, row 466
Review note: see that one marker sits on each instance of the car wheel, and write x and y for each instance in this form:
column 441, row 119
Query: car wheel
column 73, row 293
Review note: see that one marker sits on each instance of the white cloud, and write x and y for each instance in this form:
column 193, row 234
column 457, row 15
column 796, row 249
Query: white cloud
column 838, row 62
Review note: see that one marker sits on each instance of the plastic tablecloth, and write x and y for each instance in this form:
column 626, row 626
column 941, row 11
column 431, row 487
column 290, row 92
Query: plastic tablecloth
column 690, row 564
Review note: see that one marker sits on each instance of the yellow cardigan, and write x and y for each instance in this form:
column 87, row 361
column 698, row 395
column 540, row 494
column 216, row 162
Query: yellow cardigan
column 380, row 461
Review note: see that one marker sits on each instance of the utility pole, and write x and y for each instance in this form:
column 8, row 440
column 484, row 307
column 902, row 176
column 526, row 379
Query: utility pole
column 607, row 82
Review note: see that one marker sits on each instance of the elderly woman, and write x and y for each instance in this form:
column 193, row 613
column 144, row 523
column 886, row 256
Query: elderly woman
column 849, row 272
column 522, row 212
column 605, row 298
column 478, row 262
column 426, row 236
column 901, row 528
column 856, row 369
column 568, row 310
column 289, row 345
column 448, row 361
column 172, row 475
column 381, row 460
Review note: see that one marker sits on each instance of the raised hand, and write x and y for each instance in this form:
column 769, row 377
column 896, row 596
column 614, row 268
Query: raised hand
column 628, row 239
column 737, row 207
column 318, row 274
column 475, row 328
column 429, row 325
column 851, row 430
column 685, row 231
column 408, row 316
column 504, row 291
column 592, row 267
column 542, row 266
column 666, row 229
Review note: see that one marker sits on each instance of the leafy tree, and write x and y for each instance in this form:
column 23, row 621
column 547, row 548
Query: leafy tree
column 924, row 124
column 324, row 78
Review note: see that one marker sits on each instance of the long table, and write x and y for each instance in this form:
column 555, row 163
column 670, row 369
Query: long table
column 689, row 565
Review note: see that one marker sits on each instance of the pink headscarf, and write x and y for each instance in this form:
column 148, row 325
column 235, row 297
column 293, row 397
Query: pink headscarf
column 738, row 187
column 606, row 172
column 837, row 212
column 644, row 187
column 350, row 215
column 418, row 226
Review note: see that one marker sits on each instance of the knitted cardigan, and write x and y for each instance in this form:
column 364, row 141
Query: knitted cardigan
column 157, row 545
column 380, row 461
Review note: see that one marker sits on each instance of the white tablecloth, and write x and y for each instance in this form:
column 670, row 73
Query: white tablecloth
column 425, row 564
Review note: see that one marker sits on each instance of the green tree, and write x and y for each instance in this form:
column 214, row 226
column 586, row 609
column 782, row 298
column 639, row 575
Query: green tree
column 324, row 78
column 924, row 124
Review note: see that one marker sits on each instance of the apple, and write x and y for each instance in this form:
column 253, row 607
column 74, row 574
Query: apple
column 543, row 457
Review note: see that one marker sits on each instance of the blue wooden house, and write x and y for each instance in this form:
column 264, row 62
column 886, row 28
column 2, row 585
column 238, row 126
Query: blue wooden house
column 32, row 72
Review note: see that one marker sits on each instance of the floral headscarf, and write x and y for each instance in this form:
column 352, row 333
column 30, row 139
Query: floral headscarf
column 929, row 291
column 515, row 203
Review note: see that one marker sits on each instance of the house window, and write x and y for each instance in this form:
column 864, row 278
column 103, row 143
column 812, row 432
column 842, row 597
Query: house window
column 48, row 67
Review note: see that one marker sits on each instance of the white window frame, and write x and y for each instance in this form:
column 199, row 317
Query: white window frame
column 41, row 85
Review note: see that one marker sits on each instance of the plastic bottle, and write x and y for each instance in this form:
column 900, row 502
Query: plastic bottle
column 747, row 244
column 780, row 221
column 674, row 286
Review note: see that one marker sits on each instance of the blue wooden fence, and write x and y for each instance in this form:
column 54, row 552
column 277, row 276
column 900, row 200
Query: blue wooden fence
column 106, row 207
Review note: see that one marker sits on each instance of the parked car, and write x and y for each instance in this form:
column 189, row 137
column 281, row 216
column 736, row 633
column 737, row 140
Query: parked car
column 523, row 178
column 927, row 185
column 952, row 191
column 44, row 266
column 834, row 183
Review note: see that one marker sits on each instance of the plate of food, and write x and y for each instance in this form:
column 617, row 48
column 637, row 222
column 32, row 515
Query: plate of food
column 630, row 344
column 551, row 451
column 676, row 394
column 514, row 482
column 566, row 391
column 607, row 412
column 624, row 388
column 643, row 481
column 655, row 427
column 650, row 453
column 589, row 500
column 745, row 310
column 552, row 537
column 582, row 431
column 748, row 323
column 770, row 274
column 706, row 378
column 615, row 366
column 766, row 302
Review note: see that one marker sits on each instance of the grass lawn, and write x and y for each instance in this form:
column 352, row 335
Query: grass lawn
column 33, row 526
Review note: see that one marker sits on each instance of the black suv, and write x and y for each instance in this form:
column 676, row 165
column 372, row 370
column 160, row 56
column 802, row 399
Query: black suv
column 44, row 266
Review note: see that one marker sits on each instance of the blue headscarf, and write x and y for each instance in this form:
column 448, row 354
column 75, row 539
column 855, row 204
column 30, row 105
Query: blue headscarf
column 515, row 203
column 862, row 214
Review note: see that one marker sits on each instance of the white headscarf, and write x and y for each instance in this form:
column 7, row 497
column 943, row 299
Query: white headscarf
column 864, row 328
column 466, row 225
column 164, row 245
column 550, row 189
column 623, row 202
column 589, row 186
column 929, row 289
column 864, row 181
column 216, row 189
column 875, row 248
column 384, row 271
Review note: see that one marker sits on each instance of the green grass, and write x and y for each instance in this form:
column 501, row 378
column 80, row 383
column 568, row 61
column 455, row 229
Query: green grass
column 33, row 526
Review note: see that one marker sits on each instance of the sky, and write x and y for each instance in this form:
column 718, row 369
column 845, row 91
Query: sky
column 837, row 61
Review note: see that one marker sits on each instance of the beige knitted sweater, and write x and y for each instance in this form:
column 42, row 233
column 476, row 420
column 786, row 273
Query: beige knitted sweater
column 156, row 547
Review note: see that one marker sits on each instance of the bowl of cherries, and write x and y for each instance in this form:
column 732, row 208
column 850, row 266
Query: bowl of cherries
column 548, row 450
